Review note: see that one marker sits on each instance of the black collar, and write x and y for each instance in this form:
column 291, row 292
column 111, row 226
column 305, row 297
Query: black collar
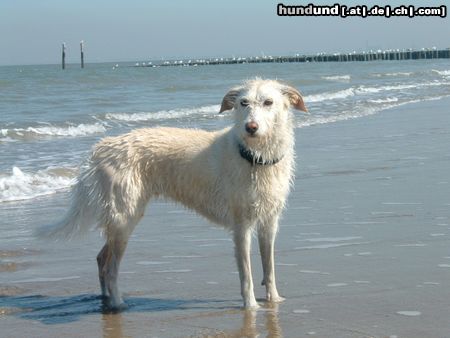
column 254, row 160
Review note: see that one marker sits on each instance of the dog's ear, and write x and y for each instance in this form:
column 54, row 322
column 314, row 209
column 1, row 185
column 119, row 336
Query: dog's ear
column 295, row 98
column 229, row 99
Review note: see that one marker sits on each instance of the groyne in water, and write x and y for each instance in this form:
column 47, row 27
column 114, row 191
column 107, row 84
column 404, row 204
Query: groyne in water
column 386, row 55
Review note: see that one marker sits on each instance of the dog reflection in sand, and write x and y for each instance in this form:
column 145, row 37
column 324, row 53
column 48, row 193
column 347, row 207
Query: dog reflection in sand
column 238, row 177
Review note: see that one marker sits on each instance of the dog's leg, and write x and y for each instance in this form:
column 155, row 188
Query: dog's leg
column 242, row 242
column 101, row 261
column 266, row 238
column 109, row 262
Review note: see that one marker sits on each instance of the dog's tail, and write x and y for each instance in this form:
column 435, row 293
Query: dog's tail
column 78, row 220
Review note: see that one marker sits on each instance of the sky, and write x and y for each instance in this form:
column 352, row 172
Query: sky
column 32, row 31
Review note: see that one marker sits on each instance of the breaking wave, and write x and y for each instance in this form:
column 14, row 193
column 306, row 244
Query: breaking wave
column 364, row 90
column 441, row 72
column 19, row 185
column 340, row 94
column 395, row 74
column 343, row 78
column 31, row 133
column 163, row 114
column 362, row 112
column 384, row 100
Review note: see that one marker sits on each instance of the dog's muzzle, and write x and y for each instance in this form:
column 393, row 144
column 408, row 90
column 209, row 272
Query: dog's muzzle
column 251, row 127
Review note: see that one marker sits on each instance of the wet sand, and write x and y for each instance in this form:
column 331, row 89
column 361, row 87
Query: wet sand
column 363, row 250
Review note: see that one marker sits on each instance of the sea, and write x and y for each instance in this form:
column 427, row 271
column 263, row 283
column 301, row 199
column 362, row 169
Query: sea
column 50, row 118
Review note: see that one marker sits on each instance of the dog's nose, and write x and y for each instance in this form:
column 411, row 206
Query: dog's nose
column 251, row 127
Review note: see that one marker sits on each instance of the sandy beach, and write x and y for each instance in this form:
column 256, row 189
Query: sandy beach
column 363, row 250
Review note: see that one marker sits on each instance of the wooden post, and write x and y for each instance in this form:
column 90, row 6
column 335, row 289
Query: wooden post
column 82, row 53
column 64, row 55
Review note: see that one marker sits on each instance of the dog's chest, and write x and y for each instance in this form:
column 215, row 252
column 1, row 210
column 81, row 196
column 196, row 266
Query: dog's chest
column 263, row 197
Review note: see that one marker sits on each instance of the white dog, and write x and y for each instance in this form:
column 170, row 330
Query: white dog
column 238, row 177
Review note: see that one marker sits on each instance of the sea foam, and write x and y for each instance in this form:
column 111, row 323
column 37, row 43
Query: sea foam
column 20, row 185
column 393, row 74
column 384, row 100
column 163, row 114
column 442, row 72
column 31, row 133
column 340, row 94
column 359, row 112
column 343, row 78
column 367, row 90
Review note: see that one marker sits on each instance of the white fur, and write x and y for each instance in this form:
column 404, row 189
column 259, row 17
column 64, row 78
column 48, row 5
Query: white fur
column 202, row 170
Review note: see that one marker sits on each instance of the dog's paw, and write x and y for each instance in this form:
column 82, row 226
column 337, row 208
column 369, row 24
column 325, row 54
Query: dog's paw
column 251, row 306
column 108, row 306
column 117, row 308
column 278, row 299
column 275, row 299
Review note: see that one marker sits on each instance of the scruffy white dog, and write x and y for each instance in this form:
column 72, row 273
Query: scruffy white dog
column 238, row 177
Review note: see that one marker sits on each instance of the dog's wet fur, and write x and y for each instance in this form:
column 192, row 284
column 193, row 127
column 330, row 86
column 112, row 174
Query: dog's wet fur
column 205, row 171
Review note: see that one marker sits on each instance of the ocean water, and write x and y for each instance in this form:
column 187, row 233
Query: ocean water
column 363, row 245
column 50, row 119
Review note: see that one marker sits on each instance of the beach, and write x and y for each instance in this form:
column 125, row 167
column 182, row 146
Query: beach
column 363, row 249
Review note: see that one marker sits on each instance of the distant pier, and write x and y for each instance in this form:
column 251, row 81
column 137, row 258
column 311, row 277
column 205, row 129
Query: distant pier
column 378, row 55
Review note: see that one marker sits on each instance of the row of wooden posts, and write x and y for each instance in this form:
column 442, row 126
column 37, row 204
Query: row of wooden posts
column 388, row 55
column 63, row 62
column 409, row 54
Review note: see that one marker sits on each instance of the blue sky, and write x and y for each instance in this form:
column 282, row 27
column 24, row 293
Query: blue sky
column 138, row 30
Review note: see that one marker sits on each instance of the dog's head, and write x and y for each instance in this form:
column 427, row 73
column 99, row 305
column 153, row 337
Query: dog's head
column 261, row 107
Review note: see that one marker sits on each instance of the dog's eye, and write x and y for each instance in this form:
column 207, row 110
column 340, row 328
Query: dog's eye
column 244, row 103
column 268, row 102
